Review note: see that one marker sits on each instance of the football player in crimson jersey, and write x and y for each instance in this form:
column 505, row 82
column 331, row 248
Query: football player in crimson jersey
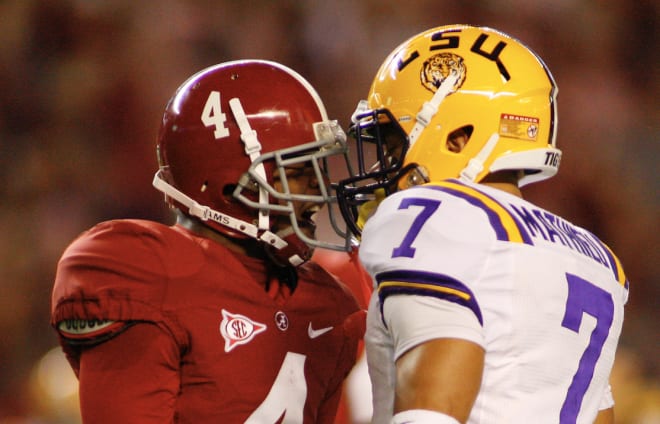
column 486, row 308
column 221, row 317
column 355, row 404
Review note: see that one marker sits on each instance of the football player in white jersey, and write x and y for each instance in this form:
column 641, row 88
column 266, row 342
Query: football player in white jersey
column 486, row 308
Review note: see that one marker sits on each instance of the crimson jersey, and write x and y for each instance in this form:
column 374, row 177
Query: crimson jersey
column 186, row 329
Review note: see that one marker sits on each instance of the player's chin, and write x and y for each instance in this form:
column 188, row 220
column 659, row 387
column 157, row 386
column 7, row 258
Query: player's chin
column 306, row 226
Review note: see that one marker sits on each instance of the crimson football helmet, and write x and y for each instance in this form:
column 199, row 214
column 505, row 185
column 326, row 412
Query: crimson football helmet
column 229, row 133
column 455, row 101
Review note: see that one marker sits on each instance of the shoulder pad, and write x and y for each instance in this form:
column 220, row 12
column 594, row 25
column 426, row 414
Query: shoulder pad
column 124, row 257
column 313, row 271
column 355, row 324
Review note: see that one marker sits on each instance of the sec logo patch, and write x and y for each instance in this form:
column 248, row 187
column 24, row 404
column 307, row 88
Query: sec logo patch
column 238, row 329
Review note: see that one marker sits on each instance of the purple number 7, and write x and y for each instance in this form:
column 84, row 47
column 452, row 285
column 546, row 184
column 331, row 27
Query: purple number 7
column 428, row 207
column 585, row 298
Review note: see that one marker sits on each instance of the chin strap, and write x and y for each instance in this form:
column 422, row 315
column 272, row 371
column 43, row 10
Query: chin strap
column 430, row 108
column 205, row 213
column 253, row 150
column 362, row 107
column 476, row 164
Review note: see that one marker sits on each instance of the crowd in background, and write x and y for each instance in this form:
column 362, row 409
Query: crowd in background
column 84, row 83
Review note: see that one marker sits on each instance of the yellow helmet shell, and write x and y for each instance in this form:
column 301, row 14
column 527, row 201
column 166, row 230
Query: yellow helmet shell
column 503, row 90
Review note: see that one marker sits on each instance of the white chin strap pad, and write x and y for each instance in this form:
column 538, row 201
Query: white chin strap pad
column 476, row 164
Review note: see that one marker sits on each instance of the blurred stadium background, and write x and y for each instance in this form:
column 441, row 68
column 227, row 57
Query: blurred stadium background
column 84, row 84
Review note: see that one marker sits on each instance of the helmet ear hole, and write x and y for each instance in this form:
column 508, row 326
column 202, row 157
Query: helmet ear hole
column 458, row 139
column 228, row 190
column 417, row 176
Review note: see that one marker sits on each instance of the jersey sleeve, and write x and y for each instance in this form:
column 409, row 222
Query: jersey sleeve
column 428, row 318
column 607, row 400
column 143, row 385
column 424, row 242
column 116, row 274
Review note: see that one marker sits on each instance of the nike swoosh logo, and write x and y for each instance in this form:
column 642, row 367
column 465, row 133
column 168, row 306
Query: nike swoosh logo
column 316, row 333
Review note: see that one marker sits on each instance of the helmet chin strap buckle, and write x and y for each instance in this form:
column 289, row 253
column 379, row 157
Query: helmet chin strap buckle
column 272, row 239
column 362, row 107
column 280, row 253
column 476, row 164
column 253, row 150
column 473, row 168
column 430, row 108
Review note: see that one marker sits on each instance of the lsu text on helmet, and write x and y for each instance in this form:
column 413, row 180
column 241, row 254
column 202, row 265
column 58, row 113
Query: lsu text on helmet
column 229, row 133
column 455, row 101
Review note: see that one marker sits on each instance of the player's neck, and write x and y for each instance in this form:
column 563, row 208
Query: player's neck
column 196, row 227
column 506, row 181
column 508, row 188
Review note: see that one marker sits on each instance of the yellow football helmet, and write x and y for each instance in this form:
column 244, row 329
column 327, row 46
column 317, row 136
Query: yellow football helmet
column 455, row 101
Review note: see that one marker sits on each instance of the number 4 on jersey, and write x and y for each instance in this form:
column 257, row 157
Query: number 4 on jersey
column 287, row 395
column 212, row 115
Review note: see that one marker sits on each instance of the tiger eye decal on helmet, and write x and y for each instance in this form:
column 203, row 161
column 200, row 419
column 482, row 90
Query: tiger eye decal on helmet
column 438, row 67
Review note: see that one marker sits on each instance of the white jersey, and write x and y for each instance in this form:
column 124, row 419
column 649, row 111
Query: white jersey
column 542, row 296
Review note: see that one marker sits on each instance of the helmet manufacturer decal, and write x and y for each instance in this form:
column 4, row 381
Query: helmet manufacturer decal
column 438, row 67
column 520, row 127
column 238, row 329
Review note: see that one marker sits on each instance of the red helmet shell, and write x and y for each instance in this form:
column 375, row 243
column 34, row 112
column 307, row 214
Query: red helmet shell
column 199, row 144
